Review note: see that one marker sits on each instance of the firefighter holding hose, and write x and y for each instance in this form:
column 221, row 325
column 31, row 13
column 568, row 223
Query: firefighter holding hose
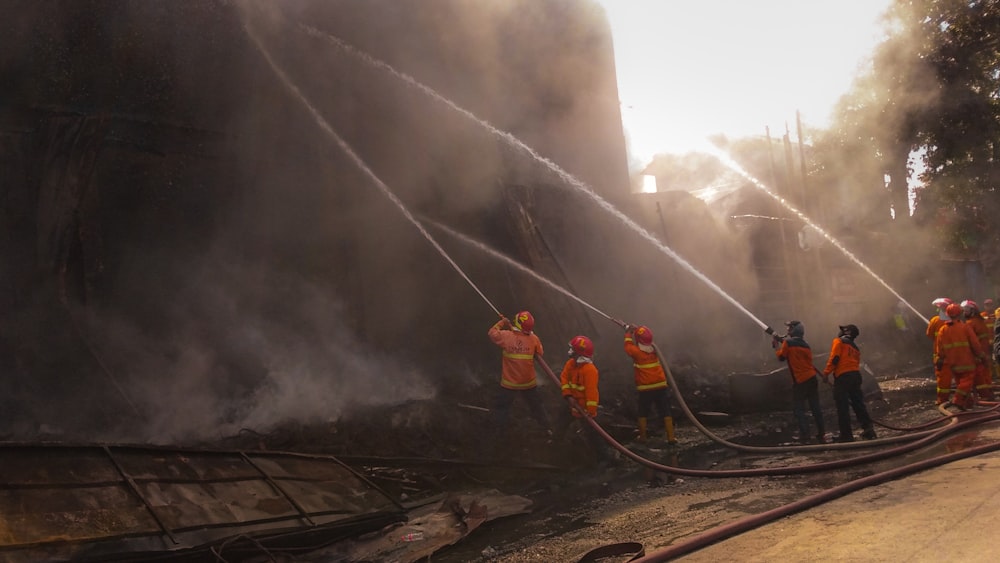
column 957, row 352
column 794, row 349
column 934, row 325
column 520, row 345
column 650, row 381
column 845, row 366
column 579, row 379
column 983, row 380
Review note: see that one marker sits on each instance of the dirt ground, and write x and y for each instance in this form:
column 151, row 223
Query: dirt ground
column 585, row 510
column 627, row 503
column 578, row 506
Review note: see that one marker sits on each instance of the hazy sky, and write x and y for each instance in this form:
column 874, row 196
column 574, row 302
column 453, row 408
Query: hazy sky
column 691, row 68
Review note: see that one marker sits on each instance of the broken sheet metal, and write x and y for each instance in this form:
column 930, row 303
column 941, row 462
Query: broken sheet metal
column 80, row 503
column 429, row 529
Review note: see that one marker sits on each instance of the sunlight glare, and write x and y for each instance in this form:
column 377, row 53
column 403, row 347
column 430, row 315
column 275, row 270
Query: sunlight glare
column 689, row 70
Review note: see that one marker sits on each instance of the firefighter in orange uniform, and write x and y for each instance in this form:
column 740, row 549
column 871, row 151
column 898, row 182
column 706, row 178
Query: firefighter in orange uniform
column 650, row 380
column 956, row 353
column 989, row 315
column 934, row 325
column 579, row 380
column 517, row 379
column 938, row 320
column 983, row 379
column 794, row 349
column 845, row 366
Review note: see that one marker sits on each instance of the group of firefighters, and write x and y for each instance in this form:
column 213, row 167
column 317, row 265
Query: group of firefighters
column 964, row 349
column 965, row 342
column 843, row 365
column 579, row 377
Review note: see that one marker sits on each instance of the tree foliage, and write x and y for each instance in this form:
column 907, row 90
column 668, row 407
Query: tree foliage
column 933, row 91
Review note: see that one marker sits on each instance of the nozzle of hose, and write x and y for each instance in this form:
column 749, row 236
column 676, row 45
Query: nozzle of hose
column 769, row 330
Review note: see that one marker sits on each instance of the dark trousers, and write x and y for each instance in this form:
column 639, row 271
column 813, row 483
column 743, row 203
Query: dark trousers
column 654, row 398
column 598, row 447
column 804, row 393
column 505, row 401
column 847, row 394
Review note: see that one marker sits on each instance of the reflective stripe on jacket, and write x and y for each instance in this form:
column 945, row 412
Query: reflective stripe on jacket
column 934, row 325
column 978, row 326
column 579, row 380
column 519, row 352
column 957, row 347
column 799, row 356
column 990, row 319
column 648, row 371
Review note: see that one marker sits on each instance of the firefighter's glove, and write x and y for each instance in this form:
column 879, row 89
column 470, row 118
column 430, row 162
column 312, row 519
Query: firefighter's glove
column 776, row 342
column 629, row 328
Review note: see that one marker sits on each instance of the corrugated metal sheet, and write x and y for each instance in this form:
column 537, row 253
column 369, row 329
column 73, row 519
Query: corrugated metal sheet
column 61, row 503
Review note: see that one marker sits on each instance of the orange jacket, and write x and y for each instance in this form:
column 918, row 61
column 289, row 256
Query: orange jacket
column 978, row 326
column 519, row 352
column 957, row 347
column 844, row 357
column 990, row 318
column 648, row 371
column 579, row 380
column 933, row 326
column 799, row 356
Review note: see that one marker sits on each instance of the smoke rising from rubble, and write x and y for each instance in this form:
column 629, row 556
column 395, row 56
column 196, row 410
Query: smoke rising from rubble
column 265, row 281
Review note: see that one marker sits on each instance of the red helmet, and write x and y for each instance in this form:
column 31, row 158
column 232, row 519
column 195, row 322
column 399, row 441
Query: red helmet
column 970, row 303
column 581, row 346
column 954, row 310
column 643, row 335
column 524, row 322
column 941, row 302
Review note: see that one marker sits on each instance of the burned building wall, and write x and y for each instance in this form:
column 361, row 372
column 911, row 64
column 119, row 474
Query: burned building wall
column 206, row 257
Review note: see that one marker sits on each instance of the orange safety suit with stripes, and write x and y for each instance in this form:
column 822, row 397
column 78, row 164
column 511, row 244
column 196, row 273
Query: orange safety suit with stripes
column 519, row 350
column 990, row 318
column 648, row 371
column 956, row 353
column 983, row 379
column 579, row 380
column 934, row 325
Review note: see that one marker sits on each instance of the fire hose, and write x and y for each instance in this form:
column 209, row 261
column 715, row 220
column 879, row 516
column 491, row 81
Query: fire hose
column 924, row 439
column 756, row 520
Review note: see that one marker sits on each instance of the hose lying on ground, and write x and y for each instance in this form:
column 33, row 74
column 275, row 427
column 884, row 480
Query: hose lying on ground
column 750, row 522
column 924, row 439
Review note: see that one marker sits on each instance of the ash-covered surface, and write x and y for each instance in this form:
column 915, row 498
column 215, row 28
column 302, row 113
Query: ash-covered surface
column 419, row 449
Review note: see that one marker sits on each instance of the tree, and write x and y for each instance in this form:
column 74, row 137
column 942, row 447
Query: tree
column 933, row 89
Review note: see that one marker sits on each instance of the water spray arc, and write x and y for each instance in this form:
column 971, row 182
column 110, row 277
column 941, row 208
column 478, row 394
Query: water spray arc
column 565, row 176
column 344, row 146
column 524, row 269
column 915, row 433
column 735, row 167
column 604, row 204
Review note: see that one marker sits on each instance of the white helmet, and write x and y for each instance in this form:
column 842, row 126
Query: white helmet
column 941, row 302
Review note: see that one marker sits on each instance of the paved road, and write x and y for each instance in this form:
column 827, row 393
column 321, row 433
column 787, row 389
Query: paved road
column 949, row 513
